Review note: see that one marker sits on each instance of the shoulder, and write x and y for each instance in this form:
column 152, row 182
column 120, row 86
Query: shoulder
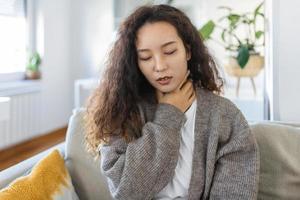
column 221, row 114
column 220, row 111
column 216, row 104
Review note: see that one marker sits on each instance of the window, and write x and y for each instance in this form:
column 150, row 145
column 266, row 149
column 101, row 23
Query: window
column 13, row 39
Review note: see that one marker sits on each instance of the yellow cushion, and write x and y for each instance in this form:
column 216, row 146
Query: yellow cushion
column 49, row 179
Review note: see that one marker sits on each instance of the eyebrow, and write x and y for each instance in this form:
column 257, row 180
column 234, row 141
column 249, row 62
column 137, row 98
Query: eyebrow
column 165, row 44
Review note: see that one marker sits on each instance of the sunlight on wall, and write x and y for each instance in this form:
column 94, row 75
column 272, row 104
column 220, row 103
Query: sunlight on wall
column 13, row 39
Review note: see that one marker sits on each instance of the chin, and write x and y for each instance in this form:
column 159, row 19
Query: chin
column 166, row 89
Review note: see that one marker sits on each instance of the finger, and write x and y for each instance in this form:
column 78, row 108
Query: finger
column 193, row 96
column 184, row 80
column 190, row 90
column 188, row 84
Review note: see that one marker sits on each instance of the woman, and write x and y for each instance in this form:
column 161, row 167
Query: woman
column 157, row 121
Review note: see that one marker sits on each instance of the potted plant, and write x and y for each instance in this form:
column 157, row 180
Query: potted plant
column 245, row 60
column 32, row 68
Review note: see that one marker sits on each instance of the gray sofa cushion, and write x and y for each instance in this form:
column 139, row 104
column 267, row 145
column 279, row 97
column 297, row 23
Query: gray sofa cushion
column 85, row 172
column 279, row 147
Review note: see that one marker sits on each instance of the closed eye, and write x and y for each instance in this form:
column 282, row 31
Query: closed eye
column 169, row 53
column 145, row 59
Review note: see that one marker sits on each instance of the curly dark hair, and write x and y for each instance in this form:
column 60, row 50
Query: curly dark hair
column 113, row 107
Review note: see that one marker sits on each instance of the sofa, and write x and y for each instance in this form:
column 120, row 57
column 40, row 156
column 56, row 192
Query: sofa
column 279, row 145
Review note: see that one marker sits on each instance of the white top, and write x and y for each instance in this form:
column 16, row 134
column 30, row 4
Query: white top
column 178, row 187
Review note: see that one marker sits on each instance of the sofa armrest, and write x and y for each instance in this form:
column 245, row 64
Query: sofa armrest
column 87, row 178
column 22, row 168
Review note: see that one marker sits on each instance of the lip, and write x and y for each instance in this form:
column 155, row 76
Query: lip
column 164, row 82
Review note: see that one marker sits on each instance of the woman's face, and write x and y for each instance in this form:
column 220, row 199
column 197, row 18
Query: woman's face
column 162, row 57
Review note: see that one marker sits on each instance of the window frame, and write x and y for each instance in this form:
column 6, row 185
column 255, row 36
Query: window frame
column 28, row 15
column 13, row 76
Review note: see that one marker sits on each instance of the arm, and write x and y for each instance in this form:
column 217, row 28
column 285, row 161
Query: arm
column 237, row 167
column 143, row 167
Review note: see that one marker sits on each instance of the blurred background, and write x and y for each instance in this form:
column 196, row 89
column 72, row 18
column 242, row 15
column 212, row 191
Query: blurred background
column 52, row 53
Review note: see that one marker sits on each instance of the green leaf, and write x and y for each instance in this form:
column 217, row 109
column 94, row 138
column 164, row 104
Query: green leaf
column 243, row 56
column 261, row 14
column 257, row 9
column 207, row 29
column 33, row 62
column 223, row 35
column 234, row 18
column 35, row 59
column 258, row 34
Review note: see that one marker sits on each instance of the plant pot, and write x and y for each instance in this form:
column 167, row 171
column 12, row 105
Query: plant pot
column 32, row 75
column 252, row 68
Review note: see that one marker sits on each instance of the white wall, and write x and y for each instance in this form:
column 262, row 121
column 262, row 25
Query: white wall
column 53, row 44
column 91, row 31
column 286, row 65
column 73, row 37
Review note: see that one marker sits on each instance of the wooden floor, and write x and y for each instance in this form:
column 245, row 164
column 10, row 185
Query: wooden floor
column 24, row 150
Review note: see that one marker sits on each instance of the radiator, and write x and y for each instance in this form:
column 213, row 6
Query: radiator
column 25, row 119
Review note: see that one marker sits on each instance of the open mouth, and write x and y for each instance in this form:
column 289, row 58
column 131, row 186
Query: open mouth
column 164, row 80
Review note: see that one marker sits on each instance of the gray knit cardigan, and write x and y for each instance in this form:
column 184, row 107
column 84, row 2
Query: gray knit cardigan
column 225, row 159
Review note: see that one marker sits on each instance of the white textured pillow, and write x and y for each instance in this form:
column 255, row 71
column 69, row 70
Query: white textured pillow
column 49, row 180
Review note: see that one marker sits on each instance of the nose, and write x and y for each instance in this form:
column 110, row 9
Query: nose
column 160, row 64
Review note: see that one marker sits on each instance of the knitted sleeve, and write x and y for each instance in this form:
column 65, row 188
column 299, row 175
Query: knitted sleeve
column 141, row 168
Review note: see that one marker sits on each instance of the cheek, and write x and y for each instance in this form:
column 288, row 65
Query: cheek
column 179, row 65
column 179, row 69
column 179, row 59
